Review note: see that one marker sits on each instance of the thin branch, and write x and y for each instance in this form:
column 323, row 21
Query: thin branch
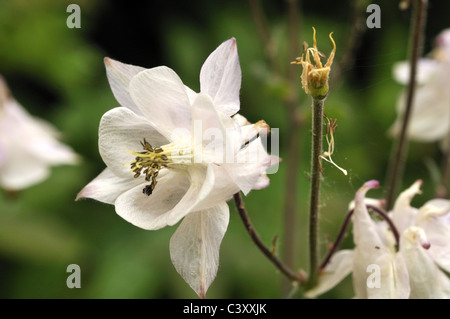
column 357, row 30
column 400, row 150
column 338, row 240
column 344, row 227
column 264, row 34
column 297, row 277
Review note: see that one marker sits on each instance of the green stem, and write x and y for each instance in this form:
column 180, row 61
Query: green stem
column 400, row 151
column 315, row 190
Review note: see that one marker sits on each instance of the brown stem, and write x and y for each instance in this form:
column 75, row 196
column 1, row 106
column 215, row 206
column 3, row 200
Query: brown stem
column 258, row 242
column 400, row 150
column 338, row 240
column 357, row 30
column 344, row 230
column 264, row 34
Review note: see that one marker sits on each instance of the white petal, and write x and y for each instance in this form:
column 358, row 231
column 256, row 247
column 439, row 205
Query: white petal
column 403, row 214
column 205, row 117
column 220, row 77
column 423, row 273
column 380, row 203
column 365, row 232
column 107, row 186
column 251, row 162
column 443, row 39
column 215, row 131
column 262, row 182
column 29, row 145
column 121, row 130
column 369, row 246
column 340, row 265
column 240, row 120
column 194, row 247
column 43, row 143
column 152, row 212
column 430, row 114
column 394, row 279
column 162, row 98
column 20, row 169
column 36, row 136
column 433, row 219
column 191, row 94
column 119, row 77
column 426, row 68
column 201, row 183
column 223, row 188
column 444, row 281
column 209, row 186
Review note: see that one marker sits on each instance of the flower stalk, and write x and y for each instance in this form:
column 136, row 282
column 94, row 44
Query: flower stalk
column 317, row 116
column 400, row 149
column 315, row 78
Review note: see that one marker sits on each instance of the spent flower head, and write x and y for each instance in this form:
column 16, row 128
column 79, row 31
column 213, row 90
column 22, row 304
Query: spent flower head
column 315, row 75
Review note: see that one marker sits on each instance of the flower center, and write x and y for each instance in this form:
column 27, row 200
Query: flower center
column 152, row 159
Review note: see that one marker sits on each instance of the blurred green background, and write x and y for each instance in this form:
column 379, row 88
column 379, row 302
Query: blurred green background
column 57, row 73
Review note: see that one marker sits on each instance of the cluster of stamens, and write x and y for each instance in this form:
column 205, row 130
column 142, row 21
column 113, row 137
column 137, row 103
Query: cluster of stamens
column 149, row 163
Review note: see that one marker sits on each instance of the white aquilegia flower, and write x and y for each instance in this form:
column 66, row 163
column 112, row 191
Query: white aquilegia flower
column 430, row 117
column 384, row 266
column 28, row 145
column 173, row 154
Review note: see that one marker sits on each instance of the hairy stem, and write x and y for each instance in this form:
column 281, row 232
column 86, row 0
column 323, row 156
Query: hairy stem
column 400, row 150
column 297, row 277
column 317, row 115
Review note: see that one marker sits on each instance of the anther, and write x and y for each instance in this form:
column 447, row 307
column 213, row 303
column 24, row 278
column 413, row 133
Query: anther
column 148, row 163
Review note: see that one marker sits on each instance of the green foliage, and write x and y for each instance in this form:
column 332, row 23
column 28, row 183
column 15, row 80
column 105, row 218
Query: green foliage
column 42, row 229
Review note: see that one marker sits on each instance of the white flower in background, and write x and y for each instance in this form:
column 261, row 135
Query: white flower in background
column 28, row 145
column 174, row 154
column 430, row 117
column 411, row 272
